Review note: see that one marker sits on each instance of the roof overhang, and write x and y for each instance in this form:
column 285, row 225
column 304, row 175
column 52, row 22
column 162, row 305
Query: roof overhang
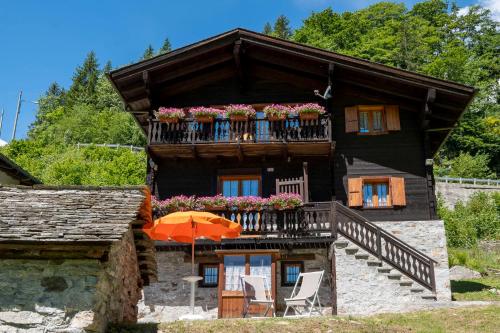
column 148, row 84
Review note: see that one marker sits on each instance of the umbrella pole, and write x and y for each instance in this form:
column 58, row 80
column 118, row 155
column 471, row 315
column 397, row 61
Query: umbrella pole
column 193, row 286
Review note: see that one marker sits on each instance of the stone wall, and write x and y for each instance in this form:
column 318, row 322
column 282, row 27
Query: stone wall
column 69, row 295
column 453, row 192
column 168, row 298
column 363, row 290
column 428, row 237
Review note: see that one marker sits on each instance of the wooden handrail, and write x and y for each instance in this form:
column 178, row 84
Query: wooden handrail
column 385, row 246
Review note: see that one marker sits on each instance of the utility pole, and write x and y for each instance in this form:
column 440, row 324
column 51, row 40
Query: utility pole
column 1, row 122
column 18, row 110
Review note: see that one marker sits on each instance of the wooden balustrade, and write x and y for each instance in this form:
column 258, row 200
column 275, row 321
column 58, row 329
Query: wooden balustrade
column 250, row 131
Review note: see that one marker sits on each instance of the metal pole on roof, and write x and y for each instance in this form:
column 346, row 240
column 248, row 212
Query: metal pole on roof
column 18, row 110
column 1, row 122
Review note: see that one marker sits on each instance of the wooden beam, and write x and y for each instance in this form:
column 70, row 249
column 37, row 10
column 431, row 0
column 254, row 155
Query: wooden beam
column 439, row 129
column 237, row 50
column 147, row 88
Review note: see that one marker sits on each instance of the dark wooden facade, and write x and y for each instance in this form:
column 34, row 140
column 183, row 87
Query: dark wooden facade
column 245, row 67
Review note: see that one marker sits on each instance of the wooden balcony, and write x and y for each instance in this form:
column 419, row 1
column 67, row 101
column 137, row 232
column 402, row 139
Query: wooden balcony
column 256, row 137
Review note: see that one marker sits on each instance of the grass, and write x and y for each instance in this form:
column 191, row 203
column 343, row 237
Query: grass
column 476, row 289
column 471, row 319
column 474, row 258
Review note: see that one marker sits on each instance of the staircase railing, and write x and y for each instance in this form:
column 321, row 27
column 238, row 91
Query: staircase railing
column 384, row 246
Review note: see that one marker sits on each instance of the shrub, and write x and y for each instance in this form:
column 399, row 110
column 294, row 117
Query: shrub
column 479, row 218
column 466, row 166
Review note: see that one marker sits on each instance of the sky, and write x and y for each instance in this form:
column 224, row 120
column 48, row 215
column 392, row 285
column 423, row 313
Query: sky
column 43, row 41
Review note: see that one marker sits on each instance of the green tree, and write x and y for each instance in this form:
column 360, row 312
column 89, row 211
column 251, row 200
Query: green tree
column 282, row 28
column 148, row 53
column 268, row 29
column 166, row 47
column 466, row 166
column 82, row 89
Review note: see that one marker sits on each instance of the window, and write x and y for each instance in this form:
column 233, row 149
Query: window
column 237, row 265
column 210, row 275
column 240, row 185
column 376, row 192
column 372, row 119
column 290, row 272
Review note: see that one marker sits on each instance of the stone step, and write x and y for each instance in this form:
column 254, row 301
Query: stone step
column 341, row 244
column 384, row 270
column 417, row 290
column 406, row 283
column 351, row 250
column 374, row 263
column 394, row 276
column 429, row 297
column 361, row 256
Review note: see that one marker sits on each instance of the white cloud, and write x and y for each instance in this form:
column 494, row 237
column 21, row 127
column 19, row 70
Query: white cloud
column 492, row 5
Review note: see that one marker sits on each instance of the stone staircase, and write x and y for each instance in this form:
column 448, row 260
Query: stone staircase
column 399, row 280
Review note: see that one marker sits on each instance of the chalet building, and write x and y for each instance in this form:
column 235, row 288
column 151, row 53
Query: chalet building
column 363, row 169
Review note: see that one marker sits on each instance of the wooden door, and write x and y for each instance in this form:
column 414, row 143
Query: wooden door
column 234, row 264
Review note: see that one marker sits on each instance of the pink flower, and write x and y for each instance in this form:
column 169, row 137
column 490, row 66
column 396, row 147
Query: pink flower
column 309, row 108
column 164, row 112
column 240, row 110
column 202, row 111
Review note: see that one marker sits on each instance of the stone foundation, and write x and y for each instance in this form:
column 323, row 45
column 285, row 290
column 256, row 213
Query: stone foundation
column 69, row 295
column 360, row 289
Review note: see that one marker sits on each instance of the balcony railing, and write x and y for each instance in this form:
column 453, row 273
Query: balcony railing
column 188, row 131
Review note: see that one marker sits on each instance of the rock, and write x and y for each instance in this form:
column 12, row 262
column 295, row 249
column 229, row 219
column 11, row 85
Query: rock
column 25, row 318
column 82, row 319
column 462, row 273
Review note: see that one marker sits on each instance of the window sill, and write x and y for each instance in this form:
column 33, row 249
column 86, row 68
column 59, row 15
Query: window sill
column 377, row 208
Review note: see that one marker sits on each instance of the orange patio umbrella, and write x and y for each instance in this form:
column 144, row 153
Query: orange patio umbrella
column 186, row 227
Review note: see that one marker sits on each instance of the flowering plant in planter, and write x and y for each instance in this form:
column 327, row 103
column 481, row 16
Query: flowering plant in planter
column 240, row 112
column 247, row 203
column 180, row 203
column 275, row 112
column 309, row 111
column 204, row 114
column 169, row 115
column 285, row 201
column 217, row 202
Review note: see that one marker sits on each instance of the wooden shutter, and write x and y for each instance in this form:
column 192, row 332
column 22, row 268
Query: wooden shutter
column 398, row 194
column 355, row 188
column 392, row 116
column 351, row 119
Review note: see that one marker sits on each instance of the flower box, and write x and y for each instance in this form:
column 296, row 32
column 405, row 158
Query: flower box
column 276, row 112
column 205, row 114
column 236, row 117
column 204, row 119
column 240, row 112
column 308, row 116
column 168, row 120
column 285, row 201
column 309, row 111
column 169, row 115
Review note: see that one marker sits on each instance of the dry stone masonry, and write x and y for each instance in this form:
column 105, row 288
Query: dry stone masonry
column 68, row 257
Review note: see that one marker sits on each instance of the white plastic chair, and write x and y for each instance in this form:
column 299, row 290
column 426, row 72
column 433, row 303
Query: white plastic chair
column 303, row 301
column 254, row 292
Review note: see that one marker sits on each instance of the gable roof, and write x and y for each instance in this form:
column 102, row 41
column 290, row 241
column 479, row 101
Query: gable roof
column 147, row 84
column 71, row 218
column 15, row 171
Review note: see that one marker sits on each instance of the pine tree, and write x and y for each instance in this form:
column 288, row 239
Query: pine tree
column 282, row 27
column 148, row 53
column 166, row 47
column 84, row 83
column 268, row 30
column 107, row 67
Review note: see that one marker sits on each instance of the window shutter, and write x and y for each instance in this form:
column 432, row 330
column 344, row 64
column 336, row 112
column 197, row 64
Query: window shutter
column 351, row 119
column 398, row 191
column 355, row 187
column 392, row 116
